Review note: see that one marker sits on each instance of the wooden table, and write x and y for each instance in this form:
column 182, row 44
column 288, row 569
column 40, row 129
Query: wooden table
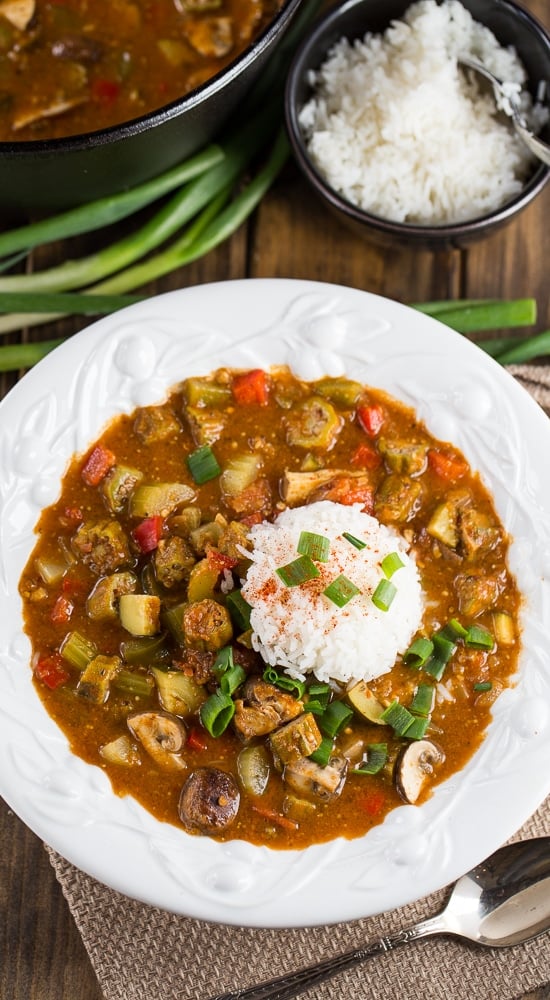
column 291, row 235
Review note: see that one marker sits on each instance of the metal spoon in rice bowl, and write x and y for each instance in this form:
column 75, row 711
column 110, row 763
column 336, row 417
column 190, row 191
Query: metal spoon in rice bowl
column 509, row 101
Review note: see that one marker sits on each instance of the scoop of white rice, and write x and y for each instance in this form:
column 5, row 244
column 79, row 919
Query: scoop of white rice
column 397, row 129
column 299, row 628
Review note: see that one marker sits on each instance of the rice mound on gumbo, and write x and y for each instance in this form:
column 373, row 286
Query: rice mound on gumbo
column 298, row 628
column 399, row 130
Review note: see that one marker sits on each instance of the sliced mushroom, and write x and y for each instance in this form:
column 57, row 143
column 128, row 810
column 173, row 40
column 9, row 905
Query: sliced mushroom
column 415, row 767
column 311, row 780
column 162, row 736
column 32, row 115
column 209, row 800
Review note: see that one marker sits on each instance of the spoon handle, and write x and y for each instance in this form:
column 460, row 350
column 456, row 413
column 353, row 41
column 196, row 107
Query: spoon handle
column 291, row 985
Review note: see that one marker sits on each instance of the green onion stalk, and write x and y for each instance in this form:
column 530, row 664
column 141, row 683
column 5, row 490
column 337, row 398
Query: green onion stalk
column 204, row 201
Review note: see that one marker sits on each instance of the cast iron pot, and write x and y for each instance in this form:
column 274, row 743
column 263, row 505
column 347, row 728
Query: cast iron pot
column 58, row 173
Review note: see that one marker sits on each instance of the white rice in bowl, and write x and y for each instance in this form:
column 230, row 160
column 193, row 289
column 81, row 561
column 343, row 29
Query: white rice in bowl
column 397, row 129
column 301, row 630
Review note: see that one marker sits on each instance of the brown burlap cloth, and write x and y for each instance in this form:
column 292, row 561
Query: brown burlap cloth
column 143, row 953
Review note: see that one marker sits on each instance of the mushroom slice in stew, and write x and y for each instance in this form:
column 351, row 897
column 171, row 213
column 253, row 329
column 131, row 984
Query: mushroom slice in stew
column 311, row 780
column 209, row 800
column 415, row 768
column 162, row 735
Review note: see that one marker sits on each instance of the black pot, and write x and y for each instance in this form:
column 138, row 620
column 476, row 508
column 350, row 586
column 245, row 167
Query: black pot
column 59, row 173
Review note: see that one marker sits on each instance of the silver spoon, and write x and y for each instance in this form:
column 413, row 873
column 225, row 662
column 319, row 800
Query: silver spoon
column 503, row 901
column 510, row 103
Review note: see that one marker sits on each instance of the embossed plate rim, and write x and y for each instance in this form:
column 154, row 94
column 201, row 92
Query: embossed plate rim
column 132, row 358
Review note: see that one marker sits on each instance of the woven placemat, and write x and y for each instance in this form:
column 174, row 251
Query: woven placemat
column 143, row 953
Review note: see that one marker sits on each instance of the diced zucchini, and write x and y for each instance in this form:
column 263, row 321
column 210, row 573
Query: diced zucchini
column 158, row 498
column 178, row 693
column 478, row 532
column 362, row 700
column 95, row 680
column 443, row 524
column 253, row 767
column 397, row 498
column 202, row 581
column 239, row 472
column 139, row 613
column 102, row 602
column 52, row 568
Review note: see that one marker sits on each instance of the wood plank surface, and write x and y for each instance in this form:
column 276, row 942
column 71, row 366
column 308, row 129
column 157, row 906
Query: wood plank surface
column 291, row 235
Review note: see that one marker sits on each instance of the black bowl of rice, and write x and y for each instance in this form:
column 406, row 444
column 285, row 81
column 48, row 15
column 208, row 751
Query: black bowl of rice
column 397, row 138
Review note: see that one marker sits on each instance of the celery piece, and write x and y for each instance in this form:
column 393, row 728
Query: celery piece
column 140, row 685
column 77, row 651
column 142, row 651
column 239, row 473
column 206, row 392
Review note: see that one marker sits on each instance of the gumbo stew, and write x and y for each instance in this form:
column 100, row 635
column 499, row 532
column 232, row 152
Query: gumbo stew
column 74, row 66
column 145, row 649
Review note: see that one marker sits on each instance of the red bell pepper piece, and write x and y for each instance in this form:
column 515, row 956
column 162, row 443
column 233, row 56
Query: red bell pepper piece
column 219, row 560
column 371, row 418
column 148, row 533
column 97, row 465
column 105, row 91
column 51, row 671
column 447, row 465
column 195, row 740
column 250, row 388
column 366, row 457
column 62, row 610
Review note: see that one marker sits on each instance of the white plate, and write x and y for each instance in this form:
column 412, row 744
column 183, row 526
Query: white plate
column 131, row 359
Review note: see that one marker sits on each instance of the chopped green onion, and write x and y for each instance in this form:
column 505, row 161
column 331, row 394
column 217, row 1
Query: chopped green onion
column 377, row 755
column 483, row 686
column 299, row 571
column 398, row 717
column 239, row 609
column 203, row 465
column 283, row 681
column 336, row 716
column 318, row 698
column 417, row 729
column 453, row 630
column 423, row 700
column 224, row 661
column 443, row 647
column 216, row 713
column 323, row 752
column 356, row 542
column 384, row 595
column 315, row 546
column 341, row 591
column 435, row 667
column 231, row 679
column 479, row 638
column 418, row 652
column 391, row 563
